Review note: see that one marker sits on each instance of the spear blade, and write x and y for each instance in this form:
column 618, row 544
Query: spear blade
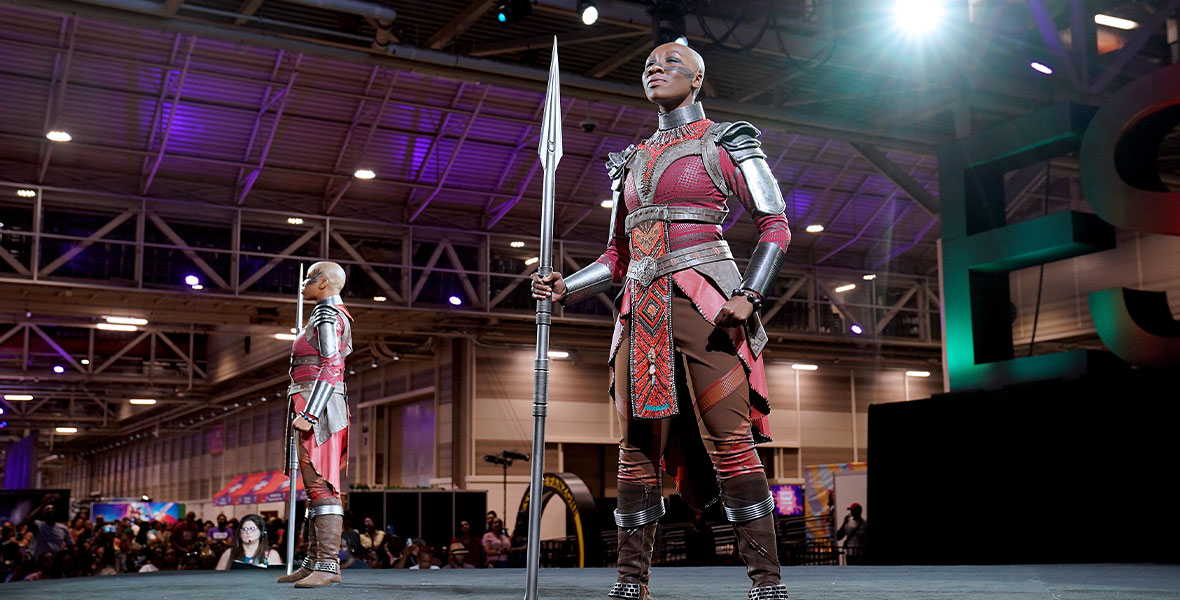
column 550, row 145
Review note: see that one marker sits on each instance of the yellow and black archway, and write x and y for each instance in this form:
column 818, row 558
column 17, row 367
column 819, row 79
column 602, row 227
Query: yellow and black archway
column 580, row 505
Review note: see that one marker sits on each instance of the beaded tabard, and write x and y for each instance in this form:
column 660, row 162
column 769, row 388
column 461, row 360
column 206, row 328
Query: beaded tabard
column 652, row 359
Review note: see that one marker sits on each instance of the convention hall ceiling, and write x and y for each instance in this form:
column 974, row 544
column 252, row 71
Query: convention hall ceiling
column 210, row 117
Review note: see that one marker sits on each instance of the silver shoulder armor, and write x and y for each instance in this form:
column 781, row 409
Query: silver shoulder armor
column 616, row 168
column 740, row 139
column 323, row 320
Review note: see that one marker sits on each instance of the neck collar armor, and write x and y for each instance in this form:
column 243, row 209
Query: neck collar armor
column 682, row 116
column 333, row 300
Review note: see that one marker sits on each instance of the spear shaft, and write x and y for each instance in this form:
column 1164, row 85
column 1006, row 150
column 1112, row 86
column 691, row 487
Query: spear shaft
column 550, row 154
column 292, row 447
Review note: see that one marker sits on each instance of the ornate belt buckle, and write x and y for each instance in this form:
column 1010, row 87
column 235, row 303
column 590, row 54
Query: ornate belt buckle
column 645, row 270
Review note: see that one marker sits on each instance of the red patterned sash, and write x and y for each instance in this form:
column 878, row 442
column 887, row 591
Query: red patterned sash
column 653, row 389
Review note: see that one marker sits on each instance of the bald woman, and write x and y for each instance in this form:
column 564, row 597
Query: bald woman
column 317, row 401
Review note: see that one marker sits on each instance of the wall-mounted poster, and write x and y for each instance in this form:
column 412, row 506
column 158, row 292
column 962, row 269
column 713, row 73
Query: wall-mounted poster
column 788, row 499
column 165, row 512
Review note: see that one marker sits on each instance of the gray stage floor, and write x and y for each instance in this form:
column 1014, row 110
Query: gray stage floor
column 1023, row 582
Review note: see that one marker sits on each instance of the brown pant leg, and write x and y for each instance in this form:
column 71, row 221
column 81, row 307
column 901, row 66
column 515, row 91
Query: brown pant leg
column 722, row 393
column 643, row 442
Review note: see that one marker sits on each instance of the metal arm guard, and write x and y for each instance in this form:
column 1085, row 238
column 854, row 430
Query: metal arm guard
column 740, row 139
column 317, row 402
column 590, row 280
column 323, row 319
column 762, row 270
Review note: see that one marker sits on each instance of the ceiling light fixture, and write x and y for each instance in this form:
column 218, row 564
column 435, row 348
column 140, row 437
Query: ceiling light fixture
column 116, row 327
column 588, row 11
column 455, row 300
column 286, row 337
column 191, row 280
column 66, row 430
column 1116, row 22
column 1041, row 68
column 126, row 320
column 511, row 11
column 85, row 361
column 608, row 204
column 804, row 367
column 18, row 397
column 917, row 373
column 198, row 287
column 294, row 221
column 379, row 298
column 516, row 244
column 869, row 276
column 532, row 261
column 364, row 174
column 57, row 135
column 814, row 228
column 143, row 401
column 856, row 329
column 26, row 193
column 59, row 369
column 845, row 288
column 558, row 354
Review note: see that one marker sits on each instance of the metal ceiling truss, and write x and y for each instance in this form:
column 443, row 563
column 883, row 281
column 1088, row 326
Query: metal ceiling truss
column 415, row 268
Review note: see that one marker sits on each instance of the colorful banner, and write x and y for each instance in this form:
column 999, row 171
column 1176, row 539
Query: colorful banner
column 165, row 512
column 256, row 488
column 819, row 491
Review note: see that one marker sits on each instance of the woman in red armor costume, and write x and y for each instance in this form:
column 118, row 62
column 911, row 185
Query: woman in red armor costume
column 317, row 399
column 688, row 342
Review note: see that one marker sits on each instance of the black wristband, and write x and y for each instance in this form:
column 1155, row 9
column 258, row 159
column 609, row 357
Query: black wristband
column 750, row 296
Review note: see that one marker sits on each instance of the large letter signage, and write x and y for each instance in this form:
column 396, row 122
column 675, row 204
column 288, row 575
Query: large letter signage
column 1121, row 181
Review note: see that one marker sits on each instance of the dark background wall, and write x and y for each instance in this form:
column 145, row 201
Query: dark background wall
column 1079, row 471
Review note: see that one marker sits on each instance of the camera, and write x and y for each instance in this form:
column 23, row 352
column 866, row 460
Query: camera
column 588, row 125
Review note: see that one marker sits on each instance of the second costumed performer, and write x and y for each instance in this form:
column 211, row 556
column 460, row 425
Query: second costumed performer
column 317, row 399
column 688, row 317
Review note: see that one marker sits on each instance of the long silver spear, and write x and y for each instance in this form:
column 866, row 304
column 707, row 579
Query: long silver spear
column 292, row 447
column 550, row 151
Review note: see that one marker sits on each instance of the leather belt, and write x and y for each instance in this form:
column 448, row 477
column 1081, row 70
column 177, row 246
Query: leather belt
column 648, row 269
column 307, row 359
column 674, row 214
column 306, row 387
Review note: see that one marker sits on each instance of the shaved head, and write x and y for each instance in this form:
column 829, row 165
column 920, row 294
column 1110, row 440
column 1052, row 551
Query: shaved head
column 326, row 277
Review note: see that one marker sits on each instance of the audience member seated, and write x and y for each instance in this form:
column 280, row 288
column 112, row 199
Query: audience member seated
column 417, row 555
column 471, row 543
column 457, row 557
column 250, row 546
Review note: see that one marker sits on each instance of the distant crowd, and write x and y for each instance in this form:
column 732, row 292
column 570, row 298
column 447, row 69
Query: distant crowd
column 41, row 547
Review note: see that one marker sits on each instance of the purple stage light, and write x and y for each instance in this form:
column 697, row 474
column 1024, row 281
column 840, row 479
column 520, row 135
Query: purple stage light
column 59, row 369
column 857, row 329
column 192, row 280
column 455, row 300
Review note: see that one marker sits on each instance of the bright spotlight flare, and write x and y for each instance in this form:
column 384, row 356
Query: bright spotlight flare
column 917, row 17
column 550, row 153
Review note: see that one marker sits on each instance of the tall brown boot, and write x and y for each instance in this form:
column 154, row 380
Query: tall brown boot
column 305, row 568
column 640, row 507
column 749, row 506
column 328, row 523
